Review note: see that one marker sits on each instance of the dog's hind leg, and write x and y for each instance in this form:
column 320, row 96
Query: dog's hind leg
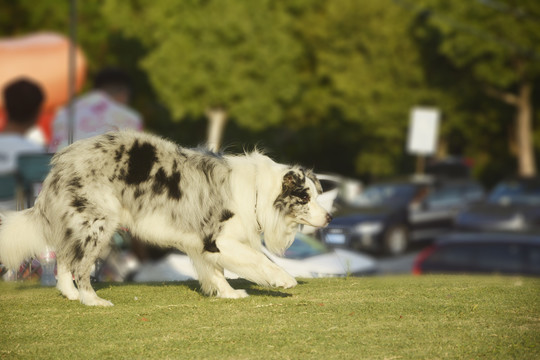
column 212, row 279
column 85, row 251
column 251, row 264
column 87, row 295
column 65, row 281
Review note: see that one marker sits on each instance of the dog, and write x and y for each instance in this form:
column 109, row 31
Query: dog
column 213, row 207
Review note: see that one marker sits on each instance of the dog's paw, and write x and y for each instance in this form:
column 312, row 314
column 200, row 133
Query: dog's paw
column 101, row 302
column 233, row 294
column 96, row 301
column 285, row 281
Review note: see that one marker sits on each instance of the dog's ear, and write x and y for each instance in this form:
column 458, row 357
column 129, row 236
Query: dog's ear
column 311, row 176
column 291, row 180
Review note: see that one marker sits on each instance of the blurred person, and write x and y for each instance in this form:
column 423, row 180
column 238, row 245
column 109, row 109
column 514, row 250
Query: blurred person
column 101, row 110
column 23, row 100
column 105, row 108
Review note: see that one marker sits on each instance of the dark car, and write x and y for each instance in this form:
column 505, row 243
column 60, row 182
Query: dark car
column 512, row 205
column 387, row 216
column 503, row 253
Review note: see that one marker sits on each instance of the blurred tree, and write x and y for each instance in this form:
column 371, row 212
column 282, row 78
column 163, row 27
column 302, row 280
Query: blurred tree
column 329, row 84
column 496, row 43
column 297, row 64
column 361, row 71
column 216, row 56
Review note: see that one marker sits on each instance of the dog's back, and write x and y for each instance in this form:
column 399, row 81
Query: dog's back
column 122, row 158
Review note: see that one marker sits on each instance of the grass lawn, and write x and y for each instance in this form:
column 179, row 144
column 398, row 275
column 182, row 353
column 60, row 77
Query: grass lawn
column 401, row 317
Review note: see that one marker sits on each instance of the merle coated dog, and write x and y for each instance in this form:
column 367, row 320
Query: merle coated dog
column 213, row 207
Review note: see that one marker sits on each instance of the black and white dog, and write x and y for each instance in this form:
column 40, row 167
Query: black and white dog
column 212, row 207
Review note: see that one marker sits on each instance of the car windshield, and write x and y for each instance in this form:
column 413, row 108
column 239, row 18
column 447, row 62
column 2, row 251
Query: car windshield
column 516, row 193
column 305, row 246
column 385, row 194
column 449, row 195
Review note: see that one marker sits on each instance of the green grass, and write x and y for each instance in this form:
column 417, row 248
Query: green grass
column 401, row 317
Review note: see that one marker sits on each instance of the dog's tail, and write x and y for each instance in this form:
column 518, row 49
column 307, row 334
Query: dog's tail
column 21, row 236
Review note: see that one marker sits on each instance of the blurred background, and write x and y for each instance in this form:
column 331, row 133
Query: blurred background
column 323, row 83
column 333, row 85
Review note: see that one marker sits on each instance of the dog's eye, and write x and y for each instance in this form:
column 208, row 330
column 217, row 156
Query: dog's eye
column 304, row 198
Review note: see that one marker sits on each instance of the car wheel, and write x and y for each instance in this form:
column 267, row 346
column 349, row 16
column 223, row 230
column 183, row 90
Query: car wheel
column 396, row 240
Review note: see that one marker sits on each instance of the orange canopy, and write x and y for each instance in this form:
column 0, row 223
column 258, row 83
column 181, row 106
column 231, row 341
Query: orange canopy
column 44, row 58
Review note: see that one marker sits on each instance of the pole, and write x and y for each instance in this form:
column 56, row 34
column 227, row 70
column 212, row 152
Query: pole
column 72, row 65
column 217, row 117
column 420, row 164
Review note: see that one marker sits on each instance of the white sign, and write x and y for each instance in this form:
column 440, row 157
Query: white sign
column 423, row 131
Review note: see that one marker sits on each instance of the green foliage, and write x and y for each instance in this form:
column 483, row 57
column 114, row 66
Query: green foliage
column 205, row 54
column 498, row 41
column 326, row 83
column 294, row 65
column 362, row 69
column 429, row 317
column 21, row 17
column 490, row 49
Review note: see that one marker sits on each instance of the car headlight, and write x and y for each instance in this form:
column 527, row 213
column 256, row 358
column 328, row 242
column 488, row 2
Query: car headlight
column 367, row 228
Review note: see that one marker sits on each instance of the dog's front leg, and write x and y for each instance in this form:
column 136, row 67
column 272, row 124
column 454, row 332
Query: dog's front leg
column 212, row 279
column 251, row 264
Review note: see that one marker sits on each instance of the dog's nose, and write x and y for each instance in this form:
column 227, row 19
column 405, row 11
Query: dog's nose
column 328, row 218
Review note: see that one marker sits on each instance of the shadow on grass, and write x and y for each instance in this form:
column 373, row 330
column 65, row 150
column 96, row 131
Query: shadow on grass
column 251, row 288
column 29, row 285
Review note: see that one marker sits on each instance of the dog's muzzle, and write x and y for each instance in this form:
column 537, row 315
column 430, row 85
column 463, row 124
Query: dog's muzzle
column 328, row 219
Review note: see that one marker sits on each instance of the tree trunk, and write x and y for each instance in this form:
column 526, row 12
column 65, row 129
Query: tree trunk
column 526, row 157
column 217, row 118
column 523, row 125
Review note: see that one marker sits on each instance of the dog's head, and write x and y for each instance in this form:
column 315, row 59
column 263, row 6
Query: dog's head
column 298, row 198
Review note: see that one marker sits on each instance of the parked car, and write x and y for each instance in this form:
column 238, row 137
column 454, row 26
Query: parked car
column 504, row 253
column 306, row 258
column 309, row 258
column 512, row 205
column 387, row 216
